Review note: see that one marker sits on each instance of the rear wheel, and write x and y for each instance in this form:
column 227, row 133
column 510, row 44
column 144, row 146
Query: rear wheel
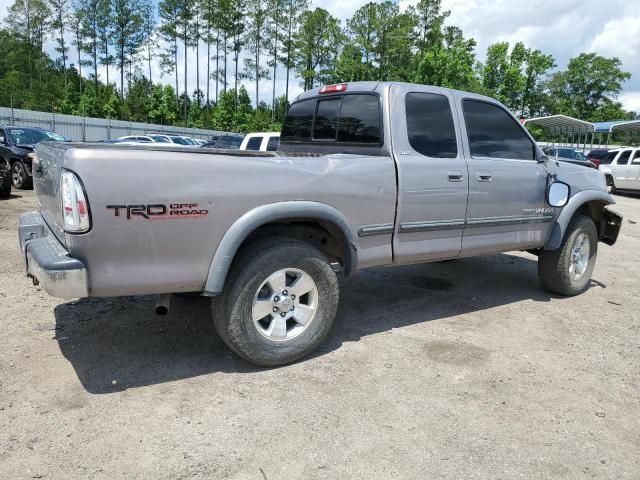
column 279, row 302
column 19, row 176
column 567, row 270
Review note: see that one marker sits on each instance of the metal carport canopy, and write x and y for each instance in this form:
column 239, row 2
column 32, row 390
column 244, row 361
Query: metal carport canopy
column 561, row 124
column 630, row 127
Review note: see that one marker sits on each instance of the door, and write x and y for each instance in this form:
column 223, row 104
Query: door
column 432, row 174
column 507, row 185
column 634, row 179
column 621, row 170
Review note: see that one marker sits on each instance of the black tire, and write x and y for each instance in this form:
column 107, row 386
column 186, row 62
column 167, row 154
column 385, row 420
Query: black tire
column 554, row 265
column 5, row 185
column 611, row 186
column 232, row 311
column 19, row 177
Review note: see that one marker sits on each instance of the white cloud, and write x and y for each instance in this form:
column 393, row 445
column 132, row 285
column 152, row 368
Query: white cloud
column 563, row 28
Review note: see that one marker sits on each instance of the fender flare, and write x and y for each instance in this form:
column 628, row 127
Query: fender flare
column 253, row 219
column 575, row 202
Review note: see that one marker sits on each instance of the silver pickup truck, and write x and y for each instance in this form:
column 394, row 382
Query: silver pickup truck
column 367, row 174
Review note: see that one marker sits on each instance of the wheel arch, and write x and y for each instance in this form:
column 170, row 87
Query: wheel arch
column 265, row 219
column 588, row 202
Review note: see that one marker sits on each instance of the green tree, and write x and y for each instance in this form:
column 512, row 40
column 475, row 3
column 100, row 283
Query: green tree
column 291, row 14
column 317, row 44
column 127, row 33
column 256, row 42
column 168, row 11
column 589, row 84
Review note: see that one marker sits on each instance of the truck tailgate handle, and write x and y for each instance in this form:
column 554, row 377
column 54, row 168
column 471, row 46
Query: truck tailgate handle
column 484, row 176
column 454, row 175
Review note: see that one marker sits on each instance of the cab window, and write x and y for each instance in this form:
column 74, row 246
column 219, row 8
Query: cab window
column 636, row 157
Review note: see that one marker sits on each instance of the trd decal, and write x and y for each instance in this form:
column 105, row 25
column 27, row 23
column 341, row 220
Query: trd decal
column 159, row 211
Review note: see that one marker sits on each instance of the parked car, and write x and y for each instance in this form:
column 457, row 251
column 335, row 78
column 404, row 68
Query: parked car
column 596, row 155
column 16, row 147
column 621, row 168
column 367, row 174
column 136, row 139
column 159, row 138
column 180, row 140
column 570, row 155
column 227, row 142
column 261, row 142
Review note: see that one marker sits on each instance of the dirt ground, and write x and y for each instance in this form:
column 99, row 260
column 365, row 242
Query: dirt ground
column 464, row 369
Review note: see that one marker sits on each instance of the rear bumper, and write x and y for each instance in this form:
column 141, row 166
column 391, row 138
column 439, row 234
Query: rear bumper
column 47, row 262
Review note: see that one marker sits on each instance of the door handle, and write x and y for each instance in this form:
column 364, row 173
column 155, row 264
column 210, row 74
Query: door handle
column 455, row 176
column 484, row 176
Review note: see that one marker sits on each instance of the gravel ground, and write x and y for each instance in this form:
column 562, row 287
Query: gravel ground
column 463, row 369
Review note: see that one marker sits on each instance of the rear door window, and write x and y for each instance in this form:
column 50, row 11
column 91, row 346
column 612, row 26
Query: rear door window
column 493, row 133
column 254, row 143
column 430, row 125
column 623, row 159
column 636, row 157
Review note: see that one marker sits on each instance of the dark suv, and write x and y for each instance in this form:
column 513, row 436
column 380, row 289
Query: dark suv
column 16, row 149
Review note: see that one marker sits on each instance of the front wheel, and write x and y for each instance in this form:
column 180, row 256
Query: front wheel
column 567, row 270
column 279, row 302
column 19, row 176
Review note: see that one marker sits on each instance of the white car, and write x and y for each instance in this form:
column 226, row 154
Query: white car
column 621, row 168
column 261, row 142
column 137, row 139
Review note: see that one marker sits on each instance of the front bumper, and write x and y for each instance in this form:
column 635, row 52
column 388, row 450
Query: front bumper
column 47, row 262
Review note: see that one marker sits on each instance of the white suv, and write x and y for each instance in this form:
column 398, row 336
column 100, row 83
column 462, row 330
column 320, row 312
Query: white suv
column 621, row 167
column 261, row 142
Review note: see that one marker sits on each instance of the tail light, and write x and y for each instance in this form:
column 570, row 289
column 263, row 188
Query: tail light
column 75, row 209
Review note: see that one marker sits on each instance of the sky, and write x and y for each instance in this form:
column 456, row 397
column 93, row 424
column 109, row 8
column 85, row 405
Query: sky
column 563, row 28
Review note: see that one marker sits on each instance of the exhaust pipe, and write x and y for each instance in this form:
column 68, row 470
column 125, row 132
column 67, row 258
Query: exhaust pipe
column 163, row 302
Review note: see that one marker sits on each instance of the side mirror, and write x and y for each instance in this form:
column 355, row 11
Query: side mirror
column 3, row 140
column 558, row 194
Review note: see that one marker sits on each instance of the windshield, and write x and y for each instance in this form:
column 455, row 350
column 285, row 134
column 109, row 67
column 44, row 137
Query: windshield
column 160, row 139
column 27, row 136
column 180, row 141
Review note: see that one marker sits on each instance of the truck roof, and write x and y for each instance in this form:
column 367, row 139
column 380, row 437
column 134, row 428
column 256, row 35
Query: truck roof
column 373, row 86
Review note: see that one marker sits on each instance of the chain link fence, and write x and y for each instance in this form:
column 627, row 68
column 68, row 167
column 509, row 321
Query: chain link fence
column 88, row 129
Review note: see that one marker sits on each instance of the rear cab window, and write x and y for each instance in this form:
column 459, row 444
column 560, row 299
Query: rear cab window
column 493, row 133
column 348, row 119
